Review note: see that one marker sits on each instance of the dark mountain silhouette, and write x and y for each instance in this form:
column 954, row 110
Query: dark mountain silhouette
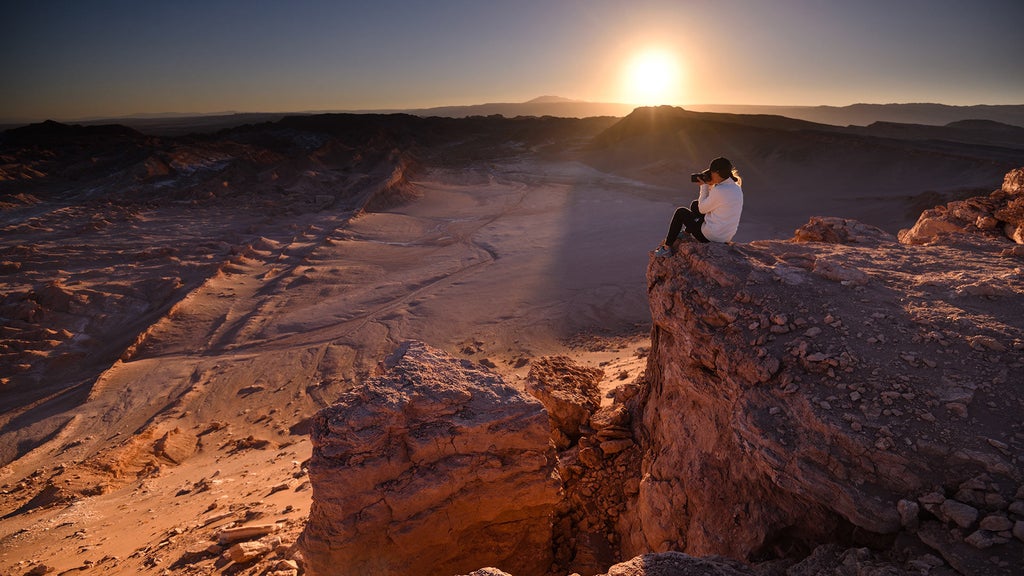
column 178, row 124
column 864, row 114
column 543, row 106
column 981, row 132
column 56, row 132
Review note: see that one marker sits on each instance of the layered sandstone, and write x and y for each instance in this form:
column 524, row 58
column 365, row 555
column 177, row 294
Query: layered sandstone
column 434, row 467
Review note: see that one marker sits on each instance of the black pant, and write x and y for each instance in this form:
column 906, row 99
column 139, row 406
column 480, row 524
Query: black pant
column 689, row 219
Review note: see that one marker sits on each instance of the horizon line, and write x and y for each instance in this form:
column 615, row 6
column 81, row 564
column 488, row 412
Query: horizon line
column 412, row 111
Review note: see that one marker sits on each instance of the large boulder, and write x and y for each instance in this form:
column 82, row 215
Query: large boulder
column 433, row 467
column 998, row 215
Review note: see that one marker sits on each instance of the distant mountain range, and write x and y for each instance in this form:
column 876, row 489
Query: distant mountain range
column 542, row 106
column 172, row 124
column 853, row 115
column 865, row 114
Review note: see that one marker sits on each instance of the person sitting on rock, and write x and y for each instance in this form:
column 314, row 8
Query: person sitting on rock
column 715, row 215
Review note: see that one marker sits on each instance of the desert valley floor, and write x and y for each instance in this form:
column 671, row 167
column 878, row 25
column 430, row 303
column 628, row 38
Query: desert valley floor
column 478, row 265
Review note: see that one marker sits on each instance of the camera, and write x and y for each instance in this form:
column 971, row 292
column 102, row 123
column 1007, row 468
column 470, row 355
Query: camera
column 702, row 177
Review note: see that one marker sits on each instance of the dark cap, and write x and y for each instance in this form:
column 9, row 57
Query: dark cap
column 722, row 166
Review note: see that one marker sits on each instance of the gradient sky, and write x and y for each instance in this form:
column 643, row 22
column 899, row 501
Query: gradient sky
column 81, row 59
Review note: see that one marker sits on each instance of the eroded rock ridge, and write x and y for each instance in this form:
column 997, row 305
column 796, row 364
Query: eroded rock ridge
column 432, row 466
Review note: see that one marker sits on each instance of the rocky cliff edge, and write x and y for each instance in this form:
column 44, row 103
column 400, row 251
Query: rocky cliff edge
column 841, row 387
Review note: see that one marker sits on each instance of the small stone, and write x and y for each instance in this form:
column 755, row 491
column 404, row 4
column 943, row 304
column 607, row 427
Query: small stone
column 908, row 511
column 590, row 457
column 248, row 551
column 933, row 560
column 615, row 446
column 996, row 523
column 286, row 565
column 994, row 501
column 812, row 332
column 980, row 539
column 1001, row 446
column 983, row 343
column 230, row 535
column 1018, row 530
column 281, row 487
column 1017, row 507
column 958, row 512
column 977, row 483
column 855, row 396
column 986, row 222
column 958, row 409
column 614, row 434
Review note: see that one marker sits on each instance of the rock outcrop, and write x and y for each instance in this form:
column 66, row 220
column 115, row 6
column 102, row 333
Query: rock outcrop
column 432, row 467
column 998, row 215
column 841, row 387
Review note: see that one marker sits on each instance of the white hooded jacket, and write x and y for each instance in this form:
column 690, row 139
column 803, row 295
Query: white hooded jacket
column 721, row 205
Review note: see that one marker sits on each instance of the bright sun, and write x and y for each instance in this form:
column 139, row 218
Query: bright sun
column 652, row 78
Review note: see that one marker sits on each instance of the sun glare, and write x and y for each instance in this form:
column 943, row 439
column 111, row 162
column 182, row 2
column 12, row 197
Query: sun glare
column 652, row 77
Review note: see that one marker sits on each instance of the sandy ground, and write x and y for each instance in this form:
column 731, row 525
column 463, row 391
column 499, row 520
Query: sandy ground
column 200, row 427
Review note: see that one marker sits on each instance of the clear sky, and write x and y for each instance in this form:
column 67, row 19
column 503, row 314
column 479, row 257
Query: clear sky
column 81, row 59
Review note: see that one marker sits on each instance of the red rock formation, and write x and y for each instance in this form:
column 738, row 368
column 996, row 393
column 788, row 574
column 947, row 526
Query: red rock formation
column 811, row 391
column 433, row 467
column 1000, row 214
